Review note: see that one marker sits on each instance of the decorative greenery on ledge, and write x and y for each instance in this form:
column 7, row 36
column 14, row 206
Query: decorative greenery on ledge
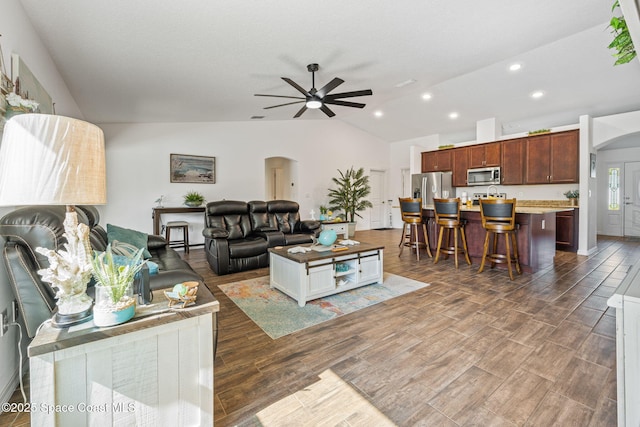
column 539, row 131
column 622, row 43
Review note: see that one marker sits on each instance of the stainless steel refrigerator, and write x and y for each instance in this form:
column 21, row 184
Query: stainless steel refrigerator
column 432, row 185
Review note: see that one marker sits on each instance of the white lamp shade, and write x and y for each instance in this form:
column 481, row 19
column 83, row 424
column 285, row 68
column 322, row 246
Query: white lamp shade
column 52, row 160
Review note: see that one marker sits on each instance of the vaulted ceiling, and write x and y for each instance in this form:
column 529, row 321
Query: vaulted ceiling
column 198, row 60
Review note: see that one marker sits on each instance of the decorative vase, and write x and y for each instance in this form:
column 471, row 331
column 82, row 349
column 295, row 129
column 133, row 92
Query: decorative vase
column 327, row 237
column 112, row 306
column 192, row 204
column 574, row 201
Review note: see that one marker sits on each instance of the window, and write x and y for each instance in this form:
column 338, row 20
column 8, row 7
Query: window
column 614, row 187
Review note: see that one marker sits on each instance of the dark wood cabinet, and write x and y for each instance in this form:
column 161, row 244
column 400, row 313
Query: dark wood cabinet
column 552, row 158
column 567, row 230
column 484, row 155
column 436, row 161
column 512, row 169
column 460, row 159
column 565, row 148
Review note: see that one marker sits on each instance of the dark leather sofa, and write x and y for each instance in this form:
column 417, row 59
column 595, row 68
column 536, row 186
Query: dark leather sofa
column 30, row 227
column 238, row 234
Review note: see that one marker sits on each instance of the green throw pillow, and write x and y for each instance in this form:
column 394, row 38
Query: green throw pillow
column 132, row 237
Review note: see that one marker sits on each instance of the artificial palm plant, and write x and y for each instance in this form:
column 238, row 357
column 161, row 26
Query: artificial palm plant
column 351, row 192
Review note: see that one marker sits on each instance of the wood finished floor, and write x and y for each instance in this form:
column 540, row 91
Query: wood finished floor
column 471, row 349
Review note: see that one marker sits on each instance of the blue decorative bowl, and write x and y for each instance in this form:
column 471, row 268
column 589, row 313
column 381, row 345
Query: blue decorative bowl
column 327, row 237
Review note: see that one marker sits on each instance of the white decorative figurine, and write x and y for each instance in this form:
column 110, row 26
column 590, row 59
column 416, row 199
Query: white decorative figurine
column 70, row 270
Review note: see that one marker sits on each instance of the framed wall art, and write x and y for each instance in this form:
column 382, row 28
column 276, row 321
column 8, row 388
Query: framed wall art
column 28, row 86
column 193, row 169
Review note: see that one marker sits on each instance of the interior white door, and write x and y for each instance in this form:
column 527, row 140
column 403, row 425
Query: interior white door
column 378, row 212
column 632, row 199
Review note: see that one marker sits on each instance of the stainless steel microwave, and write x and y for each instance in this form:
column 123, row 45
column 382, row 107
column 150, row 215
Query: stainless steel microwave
column 483, row 176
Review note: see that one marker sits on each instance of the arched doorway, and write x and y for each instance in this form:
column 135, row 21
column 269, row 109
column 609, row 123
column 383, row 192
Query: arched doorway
column 280, row 178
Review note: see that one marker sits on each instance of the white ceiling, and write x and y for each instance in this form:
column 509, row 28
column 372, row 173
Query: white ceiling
column 202, row 60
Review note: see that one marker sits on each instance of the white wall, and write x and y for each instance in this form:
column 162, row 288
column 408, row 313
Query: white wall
column 18, row 36
column 138, row 164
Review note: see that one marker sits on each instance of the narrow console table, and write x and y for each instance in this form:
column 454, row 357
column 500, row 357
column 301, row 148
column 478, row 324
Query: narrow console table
column 312, row 275
column 341, row 227
column 156, row 369
column 157, row 214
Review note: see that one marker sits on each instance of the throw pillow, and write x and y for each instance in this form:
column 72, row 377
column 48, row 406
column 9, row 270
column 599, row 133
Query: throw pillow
column 133, row 237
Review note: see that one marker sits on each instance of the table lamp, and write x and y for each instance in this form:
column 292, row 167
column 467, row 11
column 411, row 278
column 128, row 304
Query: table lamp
column 56, row 160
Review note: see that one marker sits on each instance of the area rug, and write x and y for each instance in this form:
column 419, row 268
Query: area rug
column 278, row 314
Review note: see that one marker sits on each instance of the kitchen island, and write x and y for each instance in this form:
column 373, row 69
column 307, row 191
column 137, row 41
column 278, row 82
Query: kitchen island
column 536, row 234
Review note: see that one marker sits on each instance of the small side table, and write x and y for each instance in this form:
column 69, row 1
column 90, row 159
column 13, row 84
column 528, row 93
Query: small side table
column 341, row 227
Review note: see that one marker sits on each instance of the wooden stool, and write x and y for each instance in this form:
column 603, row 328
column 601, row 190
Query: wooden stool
column 499, row 218
column 184, row 243
column 411, row 210
column 448, row 218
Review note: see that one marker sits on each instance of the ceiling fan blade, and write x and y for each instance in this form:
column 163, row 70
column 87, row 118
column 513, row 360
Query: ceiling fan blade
column 327, row 111
column 280, row 96
column 282, row 105
column 329, row 87
column 344, row 103
column 350, row 94
column 302, row 110
column 296, row 85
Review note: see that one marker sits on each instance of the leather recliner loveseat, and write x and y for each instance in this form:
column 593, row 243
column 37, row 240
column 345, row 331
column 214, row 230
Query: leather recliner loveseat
column 30, row 227
column 238, row 234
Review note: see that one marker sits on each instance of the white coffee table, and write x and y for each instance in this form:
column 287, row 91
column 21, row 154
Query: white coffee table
column 314, row 274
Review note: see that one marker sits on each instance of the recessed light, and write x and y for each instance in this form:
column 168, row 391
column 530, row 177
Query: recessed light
column 515, row 66
column 426, row 96
column 537, row 94
column 378, row 113
column 453, row 115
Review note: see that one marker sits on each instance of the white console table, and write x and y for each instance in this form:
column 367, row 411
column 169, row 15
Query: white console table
column 626, row 301
column 338, row 227
column 155, row 370
column 312, row 275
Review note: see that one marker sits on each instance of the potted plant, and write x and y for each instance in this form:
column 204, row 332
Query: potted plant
column 193, row 199
column 573, row 196
column 622, row 42
column 114, row 275
column 352, row 188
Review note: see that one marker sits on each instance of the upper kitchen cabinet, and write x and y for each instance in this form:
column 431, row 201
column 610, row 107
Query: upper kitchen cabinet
column 436, row 161
column 460, row 158
column 552, row 158
column 484, row 155
column 512, row 170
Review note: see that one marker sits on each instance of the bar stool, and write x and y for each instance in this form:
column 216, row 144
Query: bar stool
column 411, row 210
column 175, row 225
column 499, row 217
column 447, row 213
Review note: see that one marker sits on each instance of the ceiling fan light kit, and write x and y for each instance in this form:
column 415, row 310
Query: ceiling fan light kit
column 319, row 98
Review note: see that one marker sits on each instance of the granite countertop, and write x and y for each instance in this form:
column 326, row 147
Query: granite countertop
column 527, row 207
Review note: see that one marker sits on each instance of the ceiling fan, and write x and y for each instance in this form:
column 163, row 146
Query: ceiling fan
column 319, row 98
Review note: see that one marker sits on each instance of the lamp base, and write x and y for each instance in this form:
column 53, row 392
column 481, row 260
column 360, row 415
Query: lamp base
column 65, row 320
